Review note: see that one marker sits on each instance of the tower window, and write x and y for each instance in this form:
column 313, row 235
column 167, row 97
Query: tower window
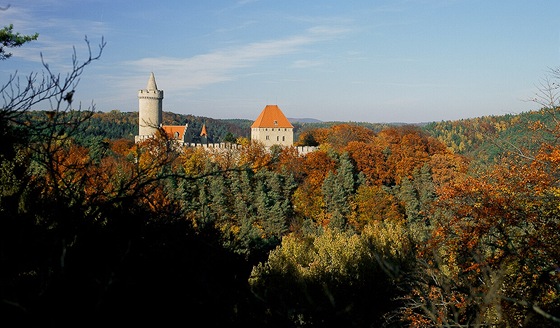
column 275, row 122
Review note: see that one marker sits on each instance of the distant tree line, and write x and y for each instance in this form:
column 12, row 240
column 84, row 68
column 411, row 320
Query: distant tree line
column 484, row 138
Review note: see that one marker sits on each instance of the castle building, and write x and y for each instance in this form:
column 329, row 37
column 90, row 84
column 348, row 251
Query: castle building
column 272, row 128
column 176, row 132
column 150, row 107
column 150, row 114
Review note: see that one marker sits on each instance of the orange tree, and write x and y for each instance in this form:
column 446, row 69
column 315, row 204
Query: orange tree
column 493, row 254
column 308, row 201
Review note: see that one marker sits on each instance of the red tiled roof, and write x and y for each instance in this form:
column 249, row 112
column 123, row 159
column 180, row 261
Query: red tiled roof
column 170, row 130
column 272, row 117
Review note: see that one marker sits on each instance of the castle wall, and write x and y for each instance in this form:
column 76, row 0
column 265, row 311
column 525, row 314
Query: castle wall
column 302, row 150
column 273, row 136
column 221, row 145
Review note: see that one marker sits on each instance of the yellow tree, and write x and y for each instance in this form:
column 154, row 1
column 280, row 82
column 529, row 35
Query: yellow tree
column 308, row 200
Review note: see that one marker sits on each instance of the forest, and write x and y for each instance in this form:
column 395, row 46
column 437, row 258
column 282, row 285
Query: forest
column 447, row 224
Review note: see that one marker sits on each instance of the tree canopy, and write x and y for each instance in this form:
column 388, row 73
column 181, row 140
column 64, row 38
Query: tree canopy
column 10, row 39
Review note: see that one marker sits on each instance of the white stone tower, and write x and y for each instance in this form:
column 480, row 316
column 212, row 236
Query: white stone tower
column 150, row 108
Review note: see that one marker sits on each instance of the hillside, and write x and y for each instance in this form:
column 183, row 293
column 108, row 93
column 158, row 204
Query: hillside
column 116, row 125
column 381, row 220
column 486, row 137
column 483, row 138
column 124, row 125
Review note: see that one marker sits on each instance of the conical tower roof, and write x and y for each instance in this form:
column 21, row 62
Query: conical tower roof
column 152, row 86
column 272, row 117
column 203, row 133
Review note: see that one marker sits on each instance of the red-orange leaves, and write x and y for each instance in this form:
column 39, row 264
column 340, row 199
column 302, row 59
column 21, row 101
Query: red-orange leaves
column 370, row 159
column 308, row 200
column 503, row 223
column 254, row 155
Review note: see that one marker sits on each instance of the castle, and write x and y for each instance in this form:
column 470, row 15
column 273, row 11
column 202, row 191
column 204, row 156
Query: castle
column 270, row 128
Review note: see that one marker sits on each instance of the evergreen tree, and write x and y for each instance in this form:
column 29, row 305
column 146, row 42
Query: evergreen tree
column 9, row 39
column 425, row 188
column 336, row 200
column 408, row 195
column 417, row 194
column 339, row 189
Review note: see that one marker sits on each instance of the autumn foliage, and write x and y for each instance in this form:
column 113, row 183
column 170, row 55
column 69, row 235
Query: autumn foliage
column 386, row 228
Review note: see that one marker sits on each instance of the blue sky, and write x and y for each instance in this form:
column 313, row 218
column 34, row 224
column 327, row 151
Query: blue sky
column 361, row 61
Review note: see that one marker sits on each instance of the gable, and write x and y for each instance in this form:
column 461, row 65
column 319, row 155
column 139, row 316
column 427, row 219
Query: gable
column 174, row 131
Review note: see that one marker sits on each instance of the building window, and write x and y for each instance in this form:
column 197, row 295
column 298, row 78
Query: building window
column 176, row 135
column 283, row 138
column 267, row 138
column 275, row 122
column 277, row 138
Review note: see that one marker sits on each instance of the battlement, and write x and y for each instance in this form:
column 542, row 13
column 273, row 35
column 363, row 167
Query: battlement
column 157, row 94
column 220, row 145
column 302, row 150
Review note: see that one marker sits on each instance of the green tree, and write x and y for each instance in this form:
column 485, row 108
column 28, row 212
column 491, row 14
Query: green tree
column 408, row 195
column 339, row 189
column 10, row 39
column 230, row 138
column 308, row 139
column 336, row 201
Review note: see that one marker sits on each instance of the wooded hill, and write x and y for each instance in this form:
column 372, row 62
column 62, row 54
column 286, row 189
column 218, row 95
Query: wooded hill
column 383, row 226
column 483, row 137
column 487, row 137
column 124, row 125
